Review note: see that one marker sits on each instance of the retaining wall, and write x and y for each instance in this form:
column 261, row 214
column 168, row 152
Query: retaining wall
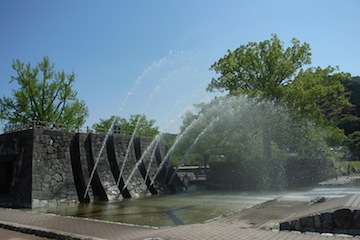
column 342, row 221
column 16, row 169
column 39, row 167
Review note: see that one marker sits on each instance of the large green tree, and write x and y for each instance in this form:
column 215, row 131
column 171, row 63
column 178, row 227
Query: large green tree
column 319, row 94
column 269, row 71
column 348, row 119
column 260, row 68
column 44, row 94
column 275, row 110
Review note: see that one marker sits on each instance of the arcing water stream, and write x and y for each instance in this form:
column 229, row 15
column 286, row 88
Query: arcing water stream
column 198, row 205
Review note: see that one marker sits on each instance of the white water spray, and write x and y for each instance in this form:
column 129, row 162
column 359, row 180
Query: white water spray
column 183, row 158
column 152, row 156
column 154, row 66
column 128, row 150
column 177, row 140
column 150, row 147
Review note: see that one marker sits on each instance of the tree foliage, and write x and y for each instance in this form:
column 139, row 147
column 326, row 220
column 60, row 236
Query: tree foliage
column 354, row 144
column 349, row 118
column 260, row 68
column 317, row 93
column 284, row 130
column 269, row 71
column 45, row 94
column 139, row 122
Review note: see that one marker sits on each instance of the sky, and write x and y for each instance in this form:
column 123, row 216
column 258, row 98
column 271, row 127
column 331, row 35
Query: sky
column 153, row 57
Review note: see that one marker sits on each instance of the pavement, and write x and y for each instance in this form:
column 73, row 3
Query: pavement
column 258, row 222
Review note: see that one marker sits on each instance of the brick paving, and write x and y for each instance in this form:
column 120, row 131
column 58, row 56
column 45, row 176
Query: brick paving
column 258, row 222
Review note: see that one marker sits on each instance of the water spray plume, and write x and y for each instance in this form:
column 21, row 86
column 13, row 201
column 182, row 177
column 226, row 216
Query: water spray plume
column 137, row 83
column 177, row 140
column 152, row 155
column 128, row 150
column 188, row 151
column 148, row 149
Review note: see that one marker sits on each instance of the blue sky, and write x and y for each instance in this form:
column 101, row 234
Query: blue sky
column 153, row 57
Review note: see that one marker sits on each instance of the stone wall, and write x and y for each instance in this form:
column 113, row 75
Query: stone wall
column 16, row 169
column 52, row 176
column 342, row 221
column 42, row 167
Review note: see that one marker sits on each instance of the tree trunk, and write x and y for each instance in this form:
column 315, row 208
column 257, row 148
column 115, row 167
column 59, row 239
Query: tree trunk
column 266, row 140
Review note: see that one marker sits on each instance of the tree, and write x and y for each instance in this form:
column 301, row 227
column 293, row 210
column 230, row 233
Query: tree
column 226, row 133
column 260, row 69
column 349, row 118
column 269, row 71
column 354, row 144
column 346, row 118
column 144, row 126
column 44, row 94
column 273, row 125
column 105, row 124
column 140, row 122
column 319, row 94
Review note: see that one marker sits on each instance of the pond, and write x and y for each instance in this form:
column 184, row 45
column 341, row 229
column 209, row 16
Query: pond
column 193, row 206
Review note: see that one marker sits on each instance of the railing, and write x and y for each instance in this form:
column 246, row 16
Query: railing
column 64, row 127
column 44, row 125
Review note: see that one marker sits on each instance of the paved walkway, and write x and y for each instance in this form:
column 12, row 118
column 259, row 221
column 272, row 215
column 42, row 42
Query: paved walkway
column 258, row 222
column 12, row 235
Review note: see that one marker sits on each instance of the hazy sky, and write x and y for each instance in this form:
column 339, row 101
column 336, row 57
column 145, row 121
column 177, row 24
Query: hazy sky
column 153, row 57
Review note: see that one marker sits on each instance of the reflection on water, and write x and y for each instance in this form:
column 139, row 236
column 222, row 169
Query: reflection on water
column 189, row 207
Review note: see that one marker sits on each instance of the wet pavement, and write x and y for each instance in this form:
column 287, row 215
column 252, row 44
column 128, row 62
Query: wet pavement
column 258, row 222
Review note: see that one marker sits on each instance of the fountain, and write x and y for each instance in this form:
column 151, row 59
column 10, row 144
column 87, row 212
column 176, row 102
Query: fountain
column 188, row 151
column 241, row 129
column 264, row 143
column 250, row 144
column 120, row 181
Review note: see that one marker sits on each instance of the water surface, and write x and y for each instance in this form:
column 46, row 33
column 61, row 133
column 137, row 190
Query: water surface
column 193, row 206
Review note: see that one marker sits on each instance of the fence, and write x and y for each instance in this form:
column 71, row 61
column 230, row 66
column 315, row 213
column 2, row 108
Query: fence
column 63, row 127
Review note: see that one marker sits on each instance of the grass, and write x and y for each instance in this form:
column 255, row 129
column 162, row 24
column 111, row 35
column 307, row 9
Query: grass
column 344, row 165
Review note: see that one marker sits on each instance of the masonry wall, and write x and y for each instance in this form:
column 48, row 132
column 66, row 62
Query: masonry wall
column 40, row 167
column 16, row 169
column 52, row 175
column 136, row 186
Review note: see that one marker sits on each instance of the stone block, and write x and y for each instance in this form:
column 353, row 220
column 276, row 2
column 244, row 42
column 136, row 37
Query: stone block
column 343, row 218
column 47, row 178
column 53, row 182
column 307, row 224
column 317, row 222
column 354, row 231
column 45, row 186
column 327, row 222
column 57, row 177
column 285, row 226
column 295, row 225
column 50, row 149
column 356, row 216
column 37, row 194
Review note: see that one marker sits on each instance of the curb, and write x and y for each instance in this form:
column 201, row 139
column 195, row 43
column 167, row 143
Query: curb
column 42, row 232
